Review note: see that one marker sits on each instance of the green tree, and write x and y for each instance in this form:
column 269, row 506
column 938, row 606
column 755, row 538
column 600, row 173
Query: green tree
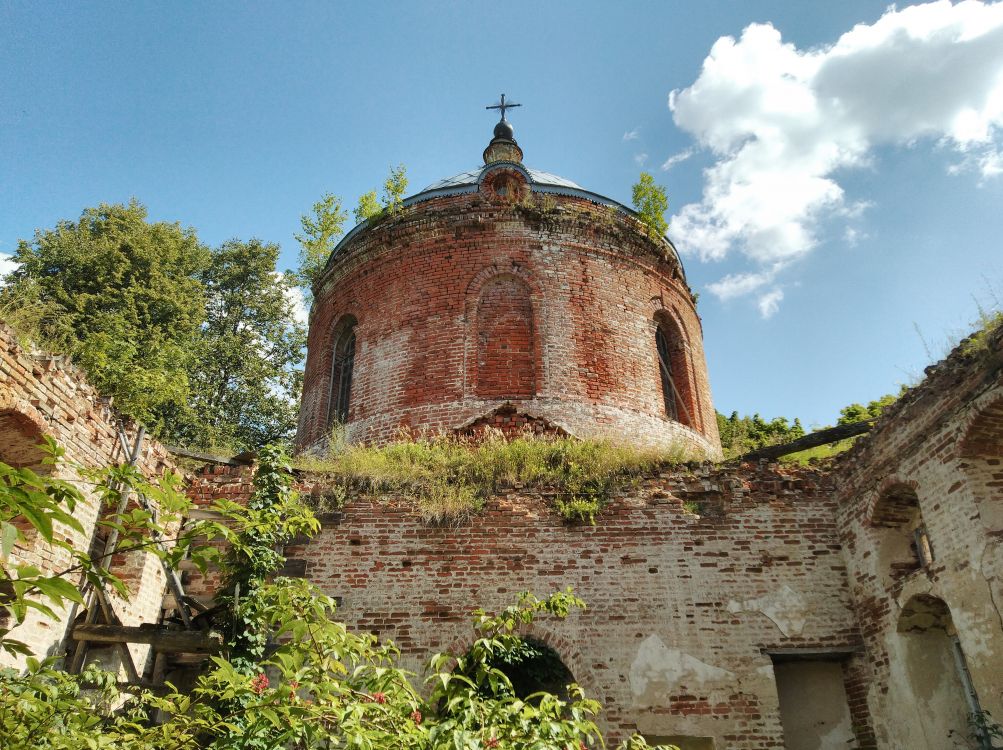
column 321, row 231
column 368, row 207
column 651, row 203
column 123, row 297
column 395, row 188
column 201, row 345
column 244, row 380
column 740, row 435
column 859, row 412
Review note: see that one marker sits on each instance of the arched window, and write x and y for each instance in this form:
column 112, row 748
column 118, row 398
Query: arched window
column 673, row 371
column 904, row 544
column 341, row 374
column 981, row 451
column 665, row 368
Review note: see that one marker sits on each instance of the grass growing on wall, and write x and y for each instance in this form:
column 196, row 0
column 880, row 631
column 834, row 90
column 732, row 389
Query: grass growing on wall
column 450, row 478
column 821, row 452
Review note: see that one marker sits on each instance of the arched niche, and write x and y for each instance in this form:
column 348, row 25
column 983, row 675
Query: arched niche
column 21, row 431
column 982, row 461
column 673, row 368
column 505, row 339
column 903, row 543
column 936, row 670
column 21, row 439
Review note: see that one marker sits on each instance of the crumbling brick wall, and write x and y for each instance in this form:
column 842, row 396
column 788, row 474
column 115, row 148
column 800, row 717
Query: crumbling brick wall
column 42, row 395
column 692, row 577
column 466, row 302
column 933, row 463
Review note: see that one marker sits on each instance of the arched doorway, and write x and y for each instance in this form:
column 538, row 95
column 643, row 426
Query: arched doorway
column 533, row 667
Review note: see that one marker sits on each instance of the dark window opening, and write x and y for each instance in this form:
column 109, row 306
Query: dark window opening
column 533, row 667
column 678, row 397
column 341, row 377
column 665, row 368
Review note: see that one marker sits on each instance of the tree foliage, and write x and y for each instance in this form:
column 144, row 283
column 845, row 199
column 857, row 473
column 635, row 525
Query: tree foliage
column 325, row 225
column 201, row 345
column 321, row 230
column 368, row 207
column 123, row 297
column 245, row 381
column 395, row 188
column 860, row 412
column 651, row 203
column 739, row 435
column 315, row 685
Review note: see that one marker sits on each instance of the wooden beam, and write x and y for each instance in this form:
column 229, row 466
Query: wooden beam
column 812, row 440
column 822, row 653
column 162, row 639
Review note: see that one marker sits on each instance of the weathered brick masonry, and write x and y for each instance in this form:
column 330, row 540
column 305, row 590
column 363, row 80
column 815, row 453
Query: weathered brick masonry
column 682, row 606
column 42, row 395
column 508, row 293
column 730, row 607
column 933, row 464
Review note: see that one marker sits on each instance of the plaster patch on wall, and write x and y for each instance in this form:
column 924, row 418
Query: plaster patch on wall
column 975, row 632
column 839, row 737
column 658, row 666
column 786, row 608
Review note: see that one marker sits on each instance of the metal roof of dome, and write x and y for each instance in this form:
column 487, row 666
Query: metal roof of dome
column 472, row 176
column 469, row 182
column 502, row 153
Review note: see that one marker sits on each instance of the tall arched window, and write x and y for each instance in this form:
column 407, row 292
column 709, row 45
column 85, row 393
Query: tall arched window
column 665, row 369
column 673, row 370
column 341, row 374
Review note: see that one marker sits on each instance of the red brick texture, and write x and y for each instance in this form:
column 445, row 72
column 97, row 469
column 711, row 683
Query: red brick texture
column 45, row 396
column 506, row 346
column 469, row 301
column 934, row 458
column 690, row 577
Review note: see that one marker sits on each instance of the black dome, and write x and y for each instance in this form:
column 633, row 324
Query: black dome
column 504, row 130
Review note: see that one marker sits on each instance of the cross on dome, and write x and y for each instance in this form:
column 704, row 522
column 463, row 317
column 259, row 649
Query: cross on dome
column 502, row 105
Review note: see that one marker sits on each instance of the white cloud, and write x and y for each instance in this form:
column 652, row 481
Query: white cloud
column 7, row 265
column 640, row 159
column 677, row 159
column 782, row 121
column 769, row 303
column 853, row 236
column 739, row 284
column 300, row 311
column 632, row 135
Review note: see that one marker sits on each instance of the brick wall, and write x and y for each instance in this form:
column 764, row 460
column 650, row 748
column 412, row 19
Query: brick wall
column 42, row 395
column 550, row 303
column 690, row 577
column 933, row 461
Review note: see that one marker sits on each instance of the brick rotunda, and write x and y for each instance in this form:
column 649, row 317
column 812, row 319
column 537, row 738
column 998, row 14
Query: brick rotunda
column 510, row 297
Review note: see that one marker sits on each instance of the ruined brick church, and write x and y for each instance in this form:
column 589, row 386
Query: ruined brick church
column 856, row 605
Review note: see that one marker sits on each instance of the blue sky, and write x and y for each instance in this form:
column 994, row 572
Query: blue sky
column 836, row 195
